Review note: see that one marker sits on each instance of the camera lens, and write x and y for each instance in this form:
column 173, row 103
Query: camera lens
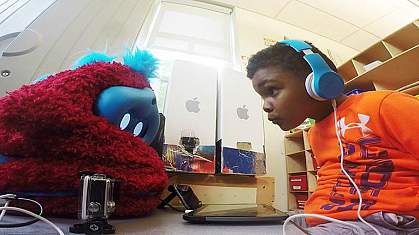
column 93, row 207
column 111, row 206
column 5, row 73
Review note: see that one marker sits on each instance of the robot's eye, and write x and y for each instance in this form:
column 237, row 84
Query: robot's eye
column 138, row 128
column 125, row 121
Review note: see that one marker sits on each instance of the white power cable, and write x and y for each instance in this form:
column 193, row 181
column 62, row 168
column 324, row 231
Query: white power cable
column 5, row 208
column 3, row 212
column 361, row 232
column 6, row 204
column 33, row 215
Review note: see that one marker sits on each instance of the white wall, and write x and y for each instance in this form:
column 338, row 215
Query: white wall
column 66, row 31
column 252, row 28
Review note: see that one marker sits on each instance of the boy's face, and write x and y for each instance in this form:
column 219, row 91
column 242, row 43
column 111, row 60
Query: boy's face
column 284, row 97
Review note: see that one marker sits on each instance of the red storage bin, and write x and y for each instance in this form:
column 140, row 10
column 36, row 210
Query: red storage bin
column 301, row 200
column 298, row 182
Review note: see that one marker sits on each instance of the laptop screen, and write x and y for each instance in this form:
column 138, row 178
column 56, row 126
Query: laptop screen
column 238, row 210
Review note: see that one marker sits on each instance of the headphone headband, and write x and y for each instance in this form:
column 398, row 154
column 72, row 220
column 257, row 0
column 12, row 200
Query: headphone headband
column 323, row 83
column 298, row 45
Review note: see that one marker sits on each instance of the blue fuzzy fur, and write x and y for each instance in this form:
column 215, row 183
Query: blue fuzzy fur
column 142, row 61
column 93, row 57
column 41, row 78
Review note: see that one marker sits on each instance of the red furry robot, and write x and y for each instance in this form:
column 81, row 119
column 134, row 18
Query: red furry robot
column 100, row 117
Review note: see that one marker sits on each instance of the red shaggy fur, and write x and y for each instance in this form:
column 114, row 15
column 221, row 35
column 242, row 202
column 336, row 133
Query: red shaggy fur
column 51, row 133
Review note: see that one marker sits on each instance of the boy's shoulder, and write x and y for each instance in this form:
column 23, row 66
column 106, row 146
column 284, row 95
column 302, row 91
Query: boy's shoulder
column 375, row 95
column 374, row 99
column 370, row 99
column 368, row 103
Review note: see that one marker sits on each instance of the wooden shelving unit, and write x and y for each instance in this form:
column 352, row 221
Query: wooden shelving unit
column 299, row 161
column 265, row 186
column 397, row 56
column 412, row 89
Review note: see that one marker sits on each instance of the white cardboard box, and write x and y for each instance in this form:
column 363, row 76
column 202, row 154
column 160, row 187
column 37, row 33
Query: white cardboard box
column 190, row 111
column 240, row 136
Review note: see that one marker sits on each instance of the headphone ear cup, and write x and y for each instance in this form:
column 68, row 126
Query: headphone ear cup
column 310, row 87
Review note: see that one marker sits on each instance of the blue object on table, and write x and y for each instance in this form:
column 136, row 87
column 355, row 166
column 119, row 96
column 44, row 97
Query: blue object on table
column 3, row 159
column 354, row 92
column 133, row 110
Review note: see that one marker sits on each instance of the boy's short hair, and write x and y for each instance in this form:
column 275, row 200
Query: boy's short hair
column 284, row 57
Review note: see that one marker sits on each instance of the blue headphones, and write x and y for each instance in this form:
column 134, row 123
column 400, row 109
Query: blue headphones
column 323, row 83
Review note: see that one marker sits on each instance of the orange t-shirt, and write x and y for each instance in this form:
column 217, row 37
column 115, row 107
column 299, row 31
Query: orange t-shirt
column 380, row 135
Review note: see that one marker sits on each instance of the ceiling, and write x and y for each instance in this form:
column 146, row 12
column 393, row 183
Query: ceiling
column 354, row 23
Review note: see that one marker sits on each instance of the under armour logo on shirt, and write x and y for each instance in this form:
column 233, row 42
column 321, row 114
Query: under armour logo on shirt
column 363, row 120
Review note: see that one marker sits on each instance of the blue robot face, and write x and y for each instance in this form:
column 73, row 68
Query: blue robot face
column 131, row 109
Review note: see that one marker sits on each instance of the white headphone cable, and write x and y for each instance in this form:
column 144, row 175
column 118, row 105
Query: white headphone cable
column 361, row 232
column 334, row 105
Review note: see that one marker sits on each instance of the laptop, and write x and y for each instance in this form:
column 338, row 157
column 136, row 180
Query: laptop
column 236, row 213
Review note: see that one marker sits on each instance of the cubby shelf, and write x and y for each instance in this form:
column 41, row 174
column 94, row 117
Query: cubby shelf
column 390, row 64
column 299, row 162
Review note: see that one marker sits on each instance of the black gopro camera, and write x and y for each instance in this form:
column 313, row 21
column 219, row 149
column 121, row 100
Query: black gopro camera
column 98, row 198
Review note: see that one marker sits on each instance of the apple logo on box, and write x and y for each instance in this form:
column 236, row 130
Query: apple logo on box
column 192, row 105
column 242, row 112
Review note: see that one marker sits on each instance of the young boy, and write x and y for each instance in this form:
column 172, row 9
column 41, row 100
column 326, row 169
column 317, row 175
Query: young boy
column 380, row 139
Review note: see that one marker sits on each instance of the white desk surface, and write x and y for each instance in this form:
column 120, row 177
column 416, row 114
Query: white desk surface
column 160, row 222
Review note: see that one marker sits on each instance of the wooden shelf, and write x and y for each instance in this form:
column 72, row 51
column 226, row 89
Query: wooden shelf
column 295, row 165
column 377, row 52
column 265, row 186
column 297, row 134
column 394, row 51
column 397, row 72
column 293, row 145
column 292, row 204
column 405, row 38
column 296, row 172
column 397, row 68
column 306, row 141
column 299, row 161
column 347, row 70
column 296, row 154
column 412, row 89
